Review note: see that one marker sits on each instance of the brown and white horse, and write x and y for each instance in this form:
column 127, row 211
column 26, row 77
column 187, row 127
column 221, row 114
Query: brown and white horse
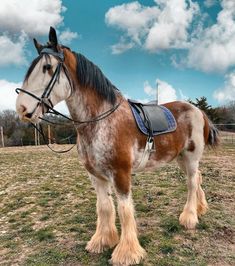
column 111, row 148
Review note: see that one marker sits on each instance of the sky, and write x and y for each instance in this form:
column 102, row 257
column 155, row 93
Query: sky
column 187, row 47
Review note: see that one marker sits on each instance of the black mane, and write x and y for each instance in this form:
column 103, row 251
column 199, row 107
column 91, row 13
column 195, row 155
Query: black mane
column 90, row 75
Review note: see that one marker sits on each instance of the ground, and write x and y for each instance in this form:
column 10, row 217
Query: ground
column 48, row 211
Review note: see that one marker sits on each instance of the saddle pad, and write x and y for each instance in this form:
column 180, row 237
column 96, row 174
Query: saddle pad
column 161, row 119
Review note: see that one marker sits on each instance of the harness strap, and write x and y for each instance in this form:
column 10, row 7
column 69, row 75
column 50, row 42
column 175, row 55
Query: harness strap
column 146, row 154
column 46, row 139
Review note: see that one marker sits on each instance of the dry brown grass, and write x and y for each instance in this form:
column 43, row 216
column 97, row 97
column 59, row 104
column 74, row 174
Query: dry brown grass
column 48, row 211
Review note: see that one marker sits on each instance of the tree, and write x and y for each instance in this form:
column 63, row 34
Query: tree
column 203, row 105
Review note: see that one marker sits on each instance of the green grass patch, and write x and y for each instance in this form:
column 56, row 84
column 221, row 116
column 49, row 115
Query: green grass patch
column 47, row 257
column 44, row 234
column 170, row 226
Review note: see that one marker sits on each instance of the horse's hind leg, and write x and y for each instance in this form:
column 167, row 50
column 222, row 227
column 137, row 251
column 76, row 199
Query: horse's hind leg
column 106, row 233
column 196, row 202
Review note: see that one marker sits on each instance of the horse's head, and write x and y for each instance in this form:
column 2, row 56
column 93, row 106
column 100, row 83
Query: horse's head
column 46, row 83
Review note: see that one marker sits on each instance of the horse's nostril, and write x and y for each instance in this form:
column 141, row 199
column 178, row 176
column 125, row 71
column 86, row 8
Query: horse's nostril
column 29, row 115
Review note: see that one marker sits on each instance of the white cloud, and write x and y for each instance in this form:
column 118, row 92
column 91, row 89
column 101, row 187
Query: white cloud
column 121, row 47
column 171, row 27
column 166, row 93
column 227, row 93
column 31, row 16
column 183, row 97
column 67, row 36
column 20, row 19
column 8, row 94
column 162, row 26
column 12, row 51
column 213, row 49
column 133, row 18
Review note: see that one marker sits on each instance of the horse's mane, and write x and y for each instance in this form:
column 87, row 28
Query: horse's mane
column 90, row 75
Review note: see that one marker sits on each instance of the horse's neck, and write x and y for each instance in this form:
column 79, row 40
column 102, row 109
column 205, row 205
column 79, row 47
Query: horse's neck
column 85, row 105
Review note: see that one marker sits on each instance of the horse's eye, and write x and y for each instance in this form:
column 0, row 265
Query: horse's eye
column 46, row 67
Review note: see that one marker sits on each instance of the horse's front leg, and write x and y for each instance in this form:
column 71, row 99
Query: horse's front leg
column 128, row 251
column 106, row 235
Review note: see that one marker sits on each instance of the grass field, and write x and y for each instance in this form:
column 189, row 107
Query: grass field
column 47, row 211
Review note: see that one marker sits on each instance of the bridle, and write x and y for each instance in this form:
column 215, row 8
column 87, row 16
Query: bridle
column 45, row 102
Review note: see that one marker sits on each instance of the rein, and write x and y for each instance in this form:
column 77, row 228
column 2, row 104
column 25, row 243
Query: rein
column 45, row 101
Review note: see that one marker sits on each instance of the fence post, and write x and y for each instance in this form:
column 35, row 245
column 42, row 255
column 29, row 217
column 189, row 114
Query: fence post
column 49, row 134
column 35, row 136
column 2, row 137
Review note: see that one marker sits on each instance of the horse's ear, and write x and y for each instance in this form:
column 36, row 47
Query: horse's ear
column 38, row 46
column 53, row 38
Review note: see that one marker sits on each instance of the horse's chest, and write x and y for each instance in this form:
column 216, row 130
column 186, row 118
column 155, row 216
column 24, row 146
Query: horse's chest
column 98, row 150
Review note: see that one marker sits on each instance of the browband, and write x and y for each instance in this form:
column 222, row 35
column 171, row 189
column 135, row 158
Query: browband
column 50, row 51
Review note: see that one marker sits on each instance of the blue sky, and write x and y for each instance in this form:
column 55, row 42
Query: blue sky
column 187, row 47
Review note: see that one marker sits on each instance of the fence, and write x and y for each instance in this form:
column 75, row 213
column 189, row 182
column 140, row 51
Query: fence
column 26, row 136
column 227, row 137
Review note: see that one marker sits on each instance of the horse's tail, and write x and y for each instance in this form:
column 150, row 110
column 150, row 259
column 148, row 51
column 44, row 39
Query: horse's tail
column 211, row 133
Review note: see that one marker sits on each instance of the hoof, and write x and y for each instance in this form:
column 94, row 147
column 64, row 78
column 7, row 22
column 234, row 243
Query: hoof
column 188, row 219
column 127, row 254
column 99, row 243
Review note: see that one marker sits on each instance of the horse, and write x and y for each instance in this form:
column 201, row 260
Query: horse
column 110, row 145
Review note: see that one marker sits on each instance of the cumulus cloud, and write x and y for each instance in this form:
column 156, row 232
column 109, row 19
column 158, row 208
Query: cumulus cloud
column 8, row 94
column 12, row 51
column 213, row 49
column 122, row 46
column 166, row 93
column 20, row 19
column 171, row 27
column 158, row 27
column 133, row 18
column 67, row 36
column 227, row 93
column 31, row 16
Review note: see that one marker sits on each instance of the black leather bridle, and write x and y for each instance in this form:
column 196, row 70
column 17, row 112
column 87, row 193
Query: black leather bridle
column 45, row 102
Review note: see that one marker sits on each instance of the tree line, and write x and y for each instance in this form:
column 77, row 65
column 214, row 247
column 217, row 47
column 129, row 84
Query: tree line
column 17, row 133
column 223, row 116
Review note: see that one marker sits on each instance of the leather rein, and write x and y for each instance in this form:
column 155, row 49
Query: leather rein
column 45, row 101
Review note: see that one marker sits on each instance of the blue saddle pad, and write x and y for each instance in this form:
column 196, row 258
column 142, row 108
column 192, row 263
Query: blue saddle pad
column 161, row 119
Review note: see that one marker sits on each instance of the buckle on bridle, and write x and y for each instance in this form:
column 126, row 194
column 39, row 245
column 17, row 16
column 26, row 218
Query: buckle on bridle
column 46, row 102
